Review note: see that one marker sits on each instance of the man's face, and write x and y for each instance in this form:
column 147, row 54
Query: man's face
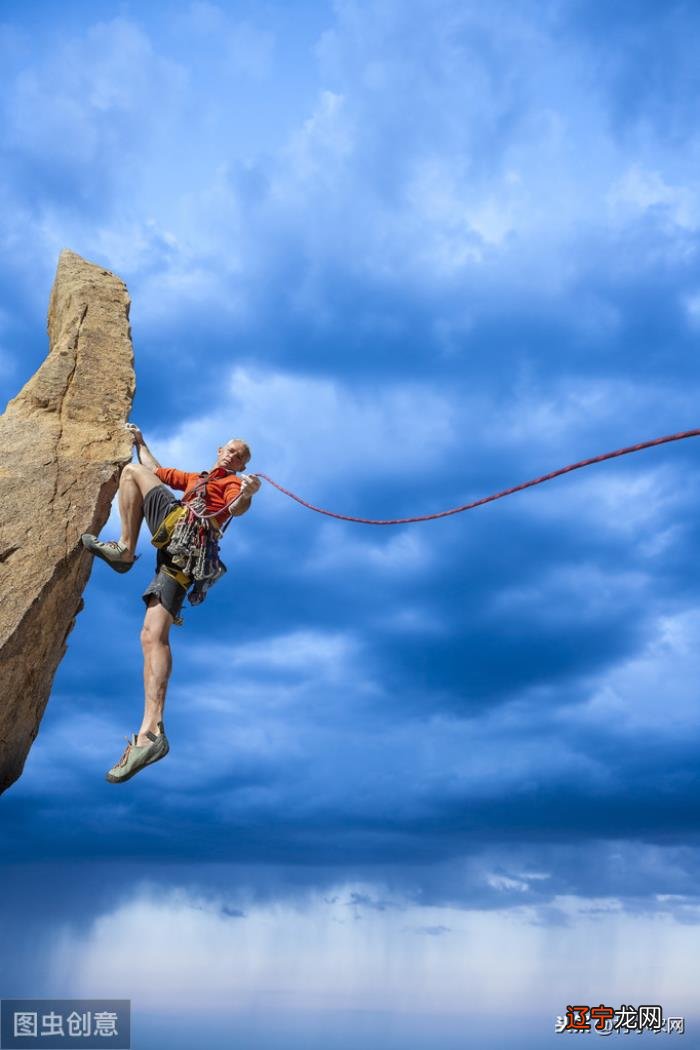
column 232, row 456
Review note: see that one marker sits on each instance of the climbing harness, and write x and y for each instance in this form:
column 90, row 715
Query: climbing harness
column 488, row 499
column 190, row 538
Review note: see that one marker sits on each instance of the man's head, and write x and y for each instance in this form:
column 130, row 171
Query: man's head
column 233, row 455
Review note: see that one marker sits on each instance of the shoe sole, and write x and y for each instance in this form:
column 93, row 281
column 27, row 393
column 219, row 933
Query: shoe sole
column 88, row 541
column 149, row 762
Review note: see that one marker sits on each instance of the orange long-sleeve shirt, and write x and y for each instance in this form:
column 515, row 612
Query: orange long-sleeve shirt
column 221, row 488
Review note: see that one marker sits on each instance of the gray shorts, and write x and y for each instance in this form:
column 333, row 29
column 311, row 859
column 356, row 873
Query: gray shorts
column 158, row 502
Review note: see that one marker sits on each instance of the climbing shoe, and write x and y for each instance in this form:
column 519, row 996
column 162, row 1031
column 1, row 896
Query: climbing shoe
column 135, row 758
column 112, row 552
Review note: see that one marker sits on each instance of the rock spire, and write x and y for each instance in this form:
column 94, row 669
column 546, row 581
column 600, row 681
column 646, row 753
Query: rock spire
column 62, row 447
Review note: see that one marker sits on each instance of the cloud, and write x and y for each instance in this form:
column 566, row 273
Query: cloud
column 317, row 428
column 78, row 109
column 368, row 174
column 315, row 652
column 646, row 191
column 432, row 931
column 402, row 552
column 311, row 955
column 633, row 697
column 245, row 48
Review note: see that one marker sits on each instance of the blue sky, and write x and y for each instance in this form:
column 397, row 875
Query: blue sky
column 414, row 254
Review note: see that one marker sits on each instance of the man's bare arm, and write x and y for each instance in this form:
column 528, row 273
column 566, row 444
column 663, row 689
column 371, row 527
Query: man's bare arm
column 143, row 452
column 241, row 506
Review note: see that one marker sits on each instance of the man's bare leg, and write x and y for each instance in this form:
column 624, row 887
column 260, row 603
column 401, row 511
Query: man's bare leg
column 135, row 482
column 157, row 665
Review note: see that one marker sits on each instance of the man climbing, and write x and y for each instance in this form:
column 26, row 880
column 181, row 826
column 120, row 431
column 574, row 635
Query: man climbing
column 210, row 499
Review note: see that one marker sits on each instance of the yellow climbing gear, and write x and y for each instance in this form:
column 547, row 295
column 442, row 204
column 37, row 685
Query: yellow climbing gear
column 163, row 534
column 177, row 574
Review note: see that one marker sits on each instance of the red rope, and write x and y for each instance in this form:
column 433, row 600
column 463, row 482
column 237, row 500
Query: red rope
column 497, row 495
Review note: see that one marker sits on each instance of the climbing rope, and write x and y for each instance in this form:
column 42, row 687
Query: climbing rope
column 465, row 506
column 486, row 499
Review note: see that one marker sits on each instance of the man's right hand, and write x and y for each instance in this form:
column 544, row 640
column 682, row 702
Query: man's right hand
column 136, row 435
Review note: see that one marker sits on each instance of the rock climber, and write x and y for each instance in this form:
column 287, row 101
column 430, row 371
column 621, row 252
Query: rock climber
column 221, row 493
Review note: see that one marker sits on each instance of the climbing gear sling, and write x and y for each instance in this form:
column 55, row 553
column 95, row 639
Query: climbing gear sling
column 189, row 537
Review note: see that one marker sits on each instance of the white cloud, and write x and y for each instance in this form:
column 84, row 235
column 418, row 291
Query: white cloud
column 387, row 551
column 411, row 619
column 580, row 408
column 70, row 108
column 307, row 432
column 93, row 738
column 333, row 951
column 320, row 148
column 246, row 49
column 637, row 504
column 314, row 652
column 692, row 306
column 637, row 495
column 582, row 592
column 641, row 190
column 654, row 692
column 508, row 883
column 407, row 158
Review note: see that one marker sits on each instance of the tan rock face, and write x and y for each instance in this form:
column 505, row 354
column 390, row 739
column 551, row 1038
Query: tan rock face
column 62, row 446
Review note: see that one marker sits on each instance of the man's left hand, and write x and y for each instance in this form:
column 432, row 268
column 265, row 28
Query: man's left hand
column 249, row 485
